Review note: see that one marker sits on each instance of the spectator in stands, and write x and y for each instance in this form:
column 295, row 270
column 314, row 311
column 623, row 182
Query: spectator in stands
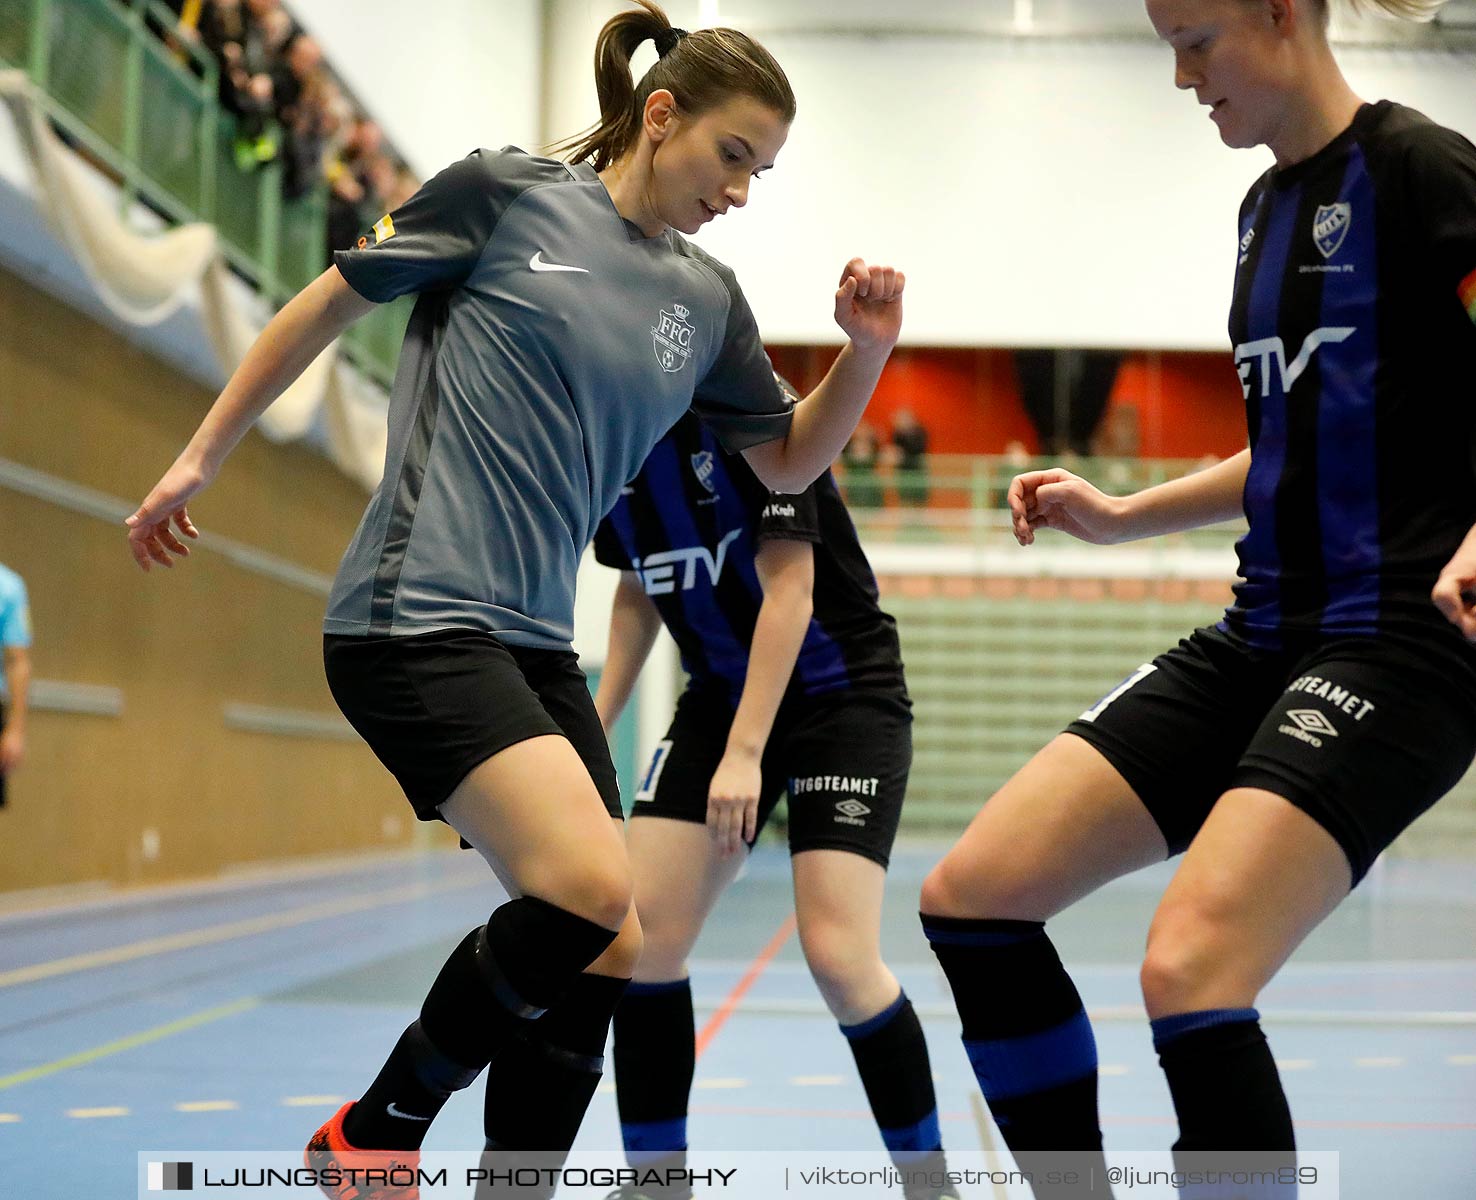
column 15, row 683
column 351, row 197
column 246, row 87
column 859, row 462
column 909, row 457
column 294, row 73
column 301, row 92
column 270, row 68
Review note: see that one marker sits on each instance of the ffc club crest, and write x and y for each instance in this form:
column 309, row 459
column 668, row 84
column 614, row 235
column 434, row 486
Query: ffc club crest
column 1331, row 226
column 702, row 468
column 672, row 338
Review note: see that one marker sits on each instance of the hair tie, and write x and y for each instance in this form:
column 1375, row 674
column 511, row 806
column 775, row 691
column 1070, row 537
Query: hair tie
column 667, row 40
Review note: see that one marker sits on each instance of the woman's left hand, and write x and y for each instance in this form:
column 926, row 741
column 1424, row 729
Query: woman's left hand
column 868, row 305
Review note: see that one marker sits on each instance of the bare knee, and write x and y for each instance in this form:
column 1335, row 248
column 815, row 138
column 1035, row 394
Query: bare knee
column 979, row 886
column 622, row 956
column 1191, row 965
column 945, row 892
column 597, row 891
column 852, row 980
column 668, row 941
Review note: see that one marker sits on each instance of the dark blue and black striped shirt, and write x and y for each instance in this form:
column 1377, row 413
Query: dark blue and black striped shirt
column 1358, row 361
column 689, row 525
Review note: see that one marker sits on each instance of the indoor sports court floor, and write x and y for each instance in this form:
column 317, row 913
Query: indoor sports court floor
column 237, row 1015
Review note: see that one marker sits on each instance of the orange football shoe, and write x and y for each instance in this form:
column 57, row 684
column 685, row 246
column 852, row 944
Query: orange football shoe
column 347, row 1173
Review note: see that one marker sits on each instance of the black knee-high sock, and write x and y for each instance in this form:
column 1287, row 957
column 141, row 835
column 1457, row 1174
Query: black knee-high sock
column 498, row 979
column 1226, row 1089
column 655, row 1059
column 1027, row 1037
column 892, row 1058
column 1025, row 1031
column 540, row 1086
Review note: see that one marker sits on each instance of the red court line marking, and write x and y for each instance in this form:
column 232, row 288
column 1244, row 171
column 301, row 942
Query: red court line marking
column 750, row 977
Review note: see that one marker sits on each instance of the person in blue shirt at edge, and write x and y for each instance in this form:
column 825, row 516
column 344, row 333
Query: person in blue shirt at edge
column 15, row 672
column 795, row 684
column 563, row 325
column 1283, row 749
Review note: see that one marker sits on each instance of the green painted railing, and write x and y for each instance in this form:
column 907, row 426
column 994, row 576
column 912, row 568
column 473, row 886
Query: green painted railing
column 148, row 111
column 962, row 497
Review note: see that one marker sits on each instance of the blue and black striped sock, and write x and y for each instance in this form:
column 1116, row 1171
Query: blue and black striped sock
column 1226, row 1089
column 1228, row 1098
column 892, row 1058
column 1025, row 1031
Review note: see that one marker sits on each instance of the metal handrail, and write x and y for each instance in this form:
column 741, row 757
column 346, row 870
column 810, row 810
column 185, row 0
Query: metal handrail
column 373, row 343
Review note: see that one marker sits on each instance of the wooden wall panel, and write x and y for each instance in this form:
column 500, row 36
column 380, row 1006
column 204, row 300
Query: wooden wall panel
column 81, row 404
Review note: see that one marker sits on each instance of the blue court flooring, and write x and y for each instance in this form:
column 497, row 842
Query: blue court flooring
column 237, row 1015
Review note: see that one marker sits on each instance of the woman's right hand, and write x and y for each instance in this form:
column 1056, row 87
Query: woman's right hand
column 1057, row 499
column 150, row 539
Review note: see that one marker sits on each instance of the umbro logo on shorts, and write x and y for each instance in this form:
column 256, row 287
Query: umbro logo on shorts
column 1308, row 725
column 1313, row 721
column 851, row 812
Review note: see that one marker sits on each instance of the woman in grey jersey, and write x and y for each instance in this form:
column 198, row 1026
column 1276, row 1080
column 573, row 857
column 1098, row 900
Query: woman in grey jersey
column 562, row 325
column 1284, row 748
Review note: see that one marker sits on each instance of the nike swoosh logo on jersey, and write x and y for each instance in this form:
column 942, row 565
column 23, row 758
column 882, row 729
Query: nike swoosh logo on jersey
column 404, row 1116
column 537, row 263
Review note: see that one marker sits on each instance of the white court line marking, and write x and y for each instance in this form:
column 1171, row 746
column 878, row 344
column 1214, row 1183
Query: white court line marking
column 818, row 1080
column 1389, row 1061
column 204, row 1106
column 89, row 1114
column 1295, row 1064
column 719, row 1085
column 148, row 1037
column 9, row 1118
column 1462, row 1060
column 213, row 934
column 1130, row 1013
column 1114, row 1069
column 311, row 1101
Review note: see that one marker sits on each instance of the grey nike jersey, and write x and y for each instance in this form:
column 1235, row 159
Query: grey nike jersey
column 551, row 347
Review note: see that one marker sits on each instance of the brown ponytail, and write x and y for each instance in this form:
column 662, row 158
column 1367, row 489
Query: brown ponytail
column 701, row 70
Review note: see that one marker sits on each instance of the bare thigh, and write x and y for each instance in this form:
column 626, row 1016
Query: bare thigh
column 679, row 876
column 838, row 907
column 1256, row 880
column 1065, row 824
column 534, row 814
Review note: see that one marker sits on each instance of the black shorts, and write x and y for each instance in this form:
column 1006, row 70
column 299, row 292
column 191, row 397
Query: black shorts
column 1361, row 733
column 433, row 706
column 843, row 759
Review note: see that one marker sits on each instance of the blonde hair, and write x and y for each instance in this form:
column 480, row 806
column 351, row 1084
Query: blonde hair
column 1407, row 10
column 701, row 70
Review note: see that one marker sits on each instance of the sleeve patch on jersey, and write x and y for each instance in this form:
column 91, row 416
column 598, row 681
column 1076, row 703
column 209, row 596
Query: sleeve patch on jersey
column 1467, row 291
column 384, row 229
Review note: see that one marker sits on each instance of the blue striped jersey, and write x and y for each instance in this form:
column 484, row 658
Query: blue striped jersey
column 690, row 523
column 1358, row 362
